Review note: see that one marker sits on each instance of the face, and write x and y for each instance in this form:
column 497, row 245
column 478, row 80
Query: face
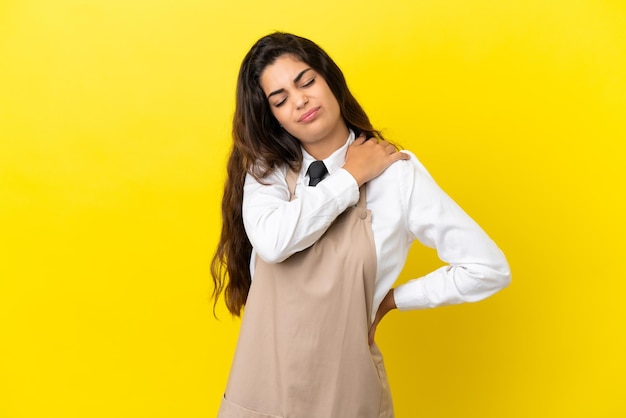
column 304, row 105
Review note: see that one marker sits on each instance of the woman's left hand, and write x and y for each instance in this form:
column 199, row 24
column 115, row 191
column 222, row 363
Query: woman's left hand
column 386, row 305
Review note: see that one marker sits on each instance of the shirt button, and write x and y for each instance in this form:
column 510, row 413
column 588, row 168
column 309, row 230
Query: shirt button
column 363, row 214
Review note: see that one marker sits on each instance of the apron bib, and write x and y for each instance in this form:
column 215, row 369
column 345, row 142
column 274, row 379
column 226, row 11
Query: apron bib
column 303, row 345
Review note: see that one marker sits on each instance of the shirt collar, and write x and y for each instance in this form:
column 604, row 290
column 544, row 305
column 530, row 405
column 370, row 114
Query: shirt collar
column 334, row 161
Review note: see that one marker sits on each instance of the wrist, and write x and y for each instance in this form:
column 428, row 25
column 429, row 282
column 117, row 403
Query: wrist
column 354, row 172
column 393, row 300
column 389, row 301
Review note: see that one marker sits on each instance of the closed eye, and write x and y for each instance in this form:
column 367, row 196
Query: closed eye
column 282, row 102
column 308, row 83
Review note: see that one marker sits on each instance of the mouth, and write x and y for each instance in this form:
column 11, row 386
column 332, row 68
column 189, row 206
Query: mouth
column 310, row 115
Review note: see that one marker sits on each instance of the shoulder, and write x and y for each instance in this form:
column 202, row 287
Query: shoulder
column 405, row 181
column 404, row 171
column 277, row 176
column 273, row 185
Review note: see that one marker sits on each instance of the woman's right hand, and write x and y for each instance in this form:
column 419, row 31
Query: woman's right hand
column 367, row 159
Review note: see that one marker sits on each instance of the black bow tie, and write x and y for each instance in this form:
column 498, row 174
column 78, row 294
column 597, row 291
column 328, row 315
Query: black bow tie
column 317, row 171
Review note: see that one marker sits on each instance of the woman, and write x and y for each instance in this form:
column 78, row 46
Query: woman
column 312, row 250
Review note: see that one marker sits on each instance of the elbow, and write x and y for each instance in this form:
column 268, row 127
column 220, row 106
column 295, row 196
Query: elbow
column 483, row 281
column 267, row 244
column 500, row 279
column 494, row 272
column 503, row 274
column 271, row 255
column 497, row 277
column 506, row 280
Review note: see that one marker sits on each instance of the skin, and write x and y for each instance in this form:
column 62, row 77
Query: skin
column 305, row 107
column 388, row 304
column 294, row 89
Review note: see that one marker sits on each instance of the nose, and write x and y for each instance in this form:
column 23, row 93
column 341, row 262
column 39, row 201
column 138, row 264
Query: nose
column 302, row 101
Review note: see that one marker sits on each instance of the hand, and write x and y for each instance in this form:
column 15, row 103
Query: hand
column 386, row 305
column 367, row 159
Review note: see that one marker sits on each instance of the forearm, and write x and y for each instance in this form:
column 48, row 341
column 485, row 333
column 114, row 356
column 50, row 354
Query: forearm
column 388, row 304
column 278, row 228
column 451, row 285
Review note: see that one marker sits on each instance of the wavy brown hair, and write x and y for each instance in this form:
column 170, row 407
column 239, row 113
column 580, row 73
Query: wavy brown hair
column 260, row 145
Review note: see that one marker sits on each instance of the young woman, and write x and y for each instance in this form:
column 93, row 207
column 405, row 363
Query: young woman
column 312, row 250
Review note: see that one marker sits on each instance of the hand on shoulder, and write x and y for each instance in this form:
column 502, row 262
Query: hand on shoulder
column 367, row 159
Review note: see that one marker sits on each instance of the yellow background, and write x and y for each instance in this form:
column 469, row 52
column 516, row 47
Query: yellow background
column 114, row 131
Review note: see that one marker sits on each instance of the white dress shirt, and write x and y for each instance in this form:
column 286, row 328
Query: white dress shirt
column 406, row 205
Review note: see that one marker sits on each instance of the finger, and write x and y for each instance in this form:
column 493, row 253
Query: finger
column 400, row 156
column 358, row 141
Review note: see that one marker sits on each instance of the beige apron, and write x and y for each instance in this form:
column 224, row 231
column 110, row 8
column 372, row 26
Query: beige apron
column 303, row 345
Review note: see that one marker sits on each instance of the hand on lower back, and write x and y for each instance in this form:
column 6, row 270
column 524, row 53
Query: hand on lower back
column 386, row 305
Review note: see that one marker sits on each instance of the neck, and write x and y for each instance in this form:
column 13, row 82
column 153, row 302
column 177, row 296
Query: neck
column 324, row 148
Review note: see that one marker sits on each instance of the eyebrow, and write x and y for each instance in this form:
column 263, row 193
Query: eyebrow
column 295, row 80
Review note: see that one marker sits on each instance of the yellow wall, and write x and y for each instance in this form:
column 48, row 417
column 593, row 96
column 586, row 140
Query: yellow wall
column 114, row 130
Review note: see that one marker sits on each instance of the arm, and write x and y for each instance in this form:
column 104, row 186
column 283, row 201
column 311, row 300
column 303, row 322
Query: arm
column 278, row 228
column 476, row 267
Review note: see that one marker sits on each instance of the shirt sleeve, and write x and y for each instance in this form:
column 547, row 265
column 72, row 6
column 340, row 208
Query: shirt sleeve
column 476, row 268
column 278, row 227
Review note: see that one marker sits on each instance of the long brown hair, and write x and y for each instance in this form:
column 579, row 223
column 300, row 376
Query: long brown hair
column 260, row 145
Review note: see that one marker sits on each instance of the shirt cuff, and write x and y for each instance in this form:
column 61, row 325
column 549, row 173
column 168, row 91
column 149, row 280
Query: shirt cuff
column 343, row 188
